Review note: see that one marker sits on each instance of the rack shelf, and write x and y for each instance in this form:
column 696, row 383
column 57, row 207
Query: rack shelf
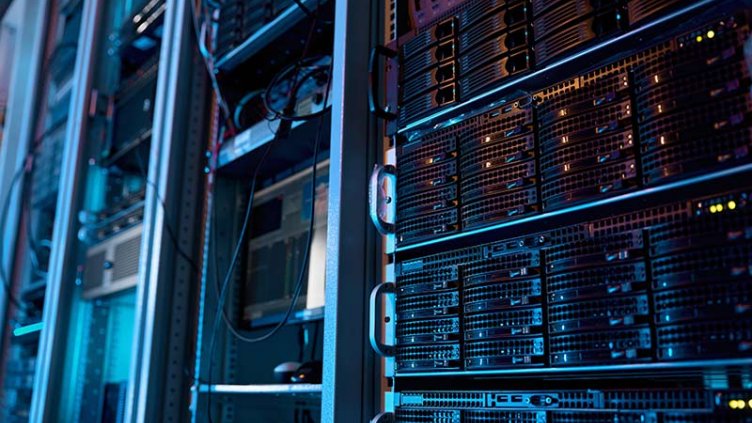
column 264, row 36
column 297, row 317
column 244, row 151
column 249, row 141
column 267, row 389
column 560, row 371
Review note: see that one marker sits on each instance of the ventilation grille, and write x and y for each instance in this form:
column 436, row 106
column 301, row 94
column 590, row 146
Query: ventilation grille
column 426, row 178
column 723, row 300
column 428, row 202
column 641, row 10
column 428, row 305
column 427, row 226
column 576, row 96
column 501, row 207
column 486, row 416
column 590, row 184
column 503, row 323
column 502, row 353
column 126, row 258
column 502, row 295
column 597, row 282
column 713, row 339
column 428, row 331
column 711, row 264
column 570, row 252
column 603, row 347
column 503, row 153
column 707, row 230
column 425, row 357
column 412, row 283
column 568, row 158
column 599, row 314
column 600, row 121
column 499, row 179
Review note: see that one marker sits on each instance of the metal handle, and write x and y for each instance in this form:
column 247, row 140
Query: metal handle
column 374, row 76
column 383, row 418
column 374, row 324
column 379, row 203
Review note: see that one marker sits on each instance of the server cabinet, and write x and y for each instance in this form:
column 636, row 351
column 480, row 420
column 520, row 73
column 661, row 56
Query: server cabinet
column 234, row 378
column 40, row 86
column 564, row 201
column 121, row 191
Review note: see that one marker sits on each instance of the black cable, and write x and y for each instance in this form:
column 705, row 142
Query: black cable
column 315, row 69
column 302, row 338
column 306, row 254
column 208, row 60
column 28, row 207
column 168, row 227
column 315, row 341
column 233, row 262
column 282, row 131
column 3, row 221
column 241, row 104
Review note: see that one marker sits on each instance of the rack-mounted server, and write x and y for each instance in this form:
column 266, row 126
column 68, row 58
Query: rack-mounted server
column 478, row 44
column 563, row 232
column 570, row 406
column 671, row 111
column 662, row 284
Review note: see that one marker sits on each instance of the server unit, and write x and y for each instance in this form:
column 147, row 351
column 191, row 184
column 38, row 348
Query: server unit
column 559, row 232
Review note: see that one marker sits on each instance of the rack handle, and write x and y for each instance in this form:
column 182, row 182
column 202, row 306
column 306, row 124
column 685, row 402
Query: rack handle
column 374, row 76
column 374, row 321
column 378, row 200
column 383, row 418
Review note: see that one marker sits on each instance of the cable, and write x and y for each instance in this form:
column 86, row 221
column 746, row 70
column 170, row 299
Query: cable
column 233, row 262
column 3, row 220
column 170, row 231
column 301, row 276
column 314, row 341
column 282, row 131
column 313, row 69
column 30, row 237
column 208, row 59
column 241, row 104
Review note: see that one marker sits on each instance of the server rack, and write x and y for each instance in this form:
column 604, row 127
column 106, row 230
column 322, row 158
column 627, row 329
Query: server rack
column 241, row 385
column 97, row 348
column 560, row 178
column 32, row 127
